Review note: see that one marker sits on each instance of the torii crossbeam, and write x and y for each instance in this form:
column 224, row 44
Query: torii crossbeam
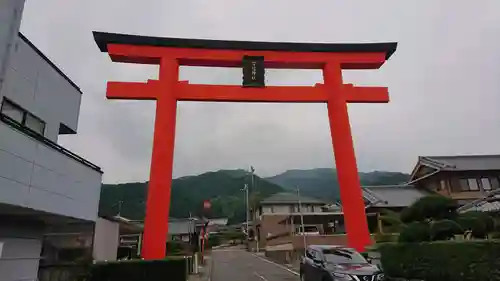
column 253, row 57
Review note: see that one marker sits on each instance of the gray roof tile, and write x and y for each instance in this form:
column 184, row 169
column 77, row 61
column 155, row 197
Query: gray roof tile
column 392, row 195
column 464, row 162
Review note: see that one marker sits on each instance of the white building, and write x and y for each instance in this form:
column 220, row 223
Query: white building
column 41, row 184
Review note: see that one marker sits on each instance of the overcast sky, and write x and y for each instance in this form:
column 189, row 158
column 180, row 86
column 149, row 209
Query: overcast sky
column 444, row 82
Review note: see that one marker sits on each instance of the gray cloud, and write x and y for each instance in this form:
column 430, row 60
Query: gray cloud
column 444, row 82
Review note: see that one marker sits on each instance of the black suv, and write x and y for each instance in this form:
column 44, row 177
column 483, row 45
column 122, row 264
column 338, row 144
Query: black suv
column 336, row 263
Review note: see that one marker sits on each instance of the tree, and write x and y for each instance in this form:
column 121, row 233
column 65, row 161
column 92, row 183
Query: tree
column 415, row 232
column 428, row 219
column 435, row 217
column 392, row 220
column 444, row 230
column 478, row 224
column 429, row 208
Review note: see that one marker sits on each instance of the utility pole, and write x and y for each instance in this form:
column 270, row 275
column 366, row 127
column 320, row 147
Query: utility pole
column 252, row 170
column 245, row 188
column 301, row 219
column 119, row 214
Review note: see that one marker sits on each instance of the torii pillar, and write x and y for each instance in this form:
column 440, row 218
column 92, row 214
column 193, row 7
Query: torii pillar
column 253, row 57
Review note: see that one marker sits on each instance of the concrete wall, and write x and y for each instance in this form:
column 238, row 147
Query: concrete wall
column 106, row 240
column 10, row 21
column 270, row 226
column 38, row 87
column 36, row 176
column 21, row 248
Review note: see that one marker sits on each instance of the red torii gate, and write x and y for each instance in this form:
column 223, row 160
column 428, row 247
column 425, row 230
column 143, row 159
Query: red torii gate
column 170, row 53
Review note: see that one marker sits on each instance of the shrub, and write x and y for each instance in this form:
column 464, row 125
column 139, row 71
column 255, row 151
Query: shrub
column 444, row 230
column 479, row 223
column 386, row 237
column 213, row 240
column 443, row 260
column 235, row 235
column 172, row 269
column 176, row 247
column 415, row 232
column 433, row 207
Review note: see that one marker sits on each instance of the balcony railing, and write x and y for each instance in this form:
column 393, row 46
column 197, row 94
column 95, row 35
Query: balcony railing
column 15, row 125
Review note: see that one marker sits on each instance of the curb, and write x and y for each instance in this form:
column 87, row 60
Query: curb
column 210, row 269
column 205, row 271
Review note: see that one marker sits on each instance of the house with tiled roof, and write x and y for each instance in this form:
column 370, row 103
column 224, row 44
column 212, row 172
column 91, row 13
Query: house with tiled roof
column 465, row 178
column 393, row 197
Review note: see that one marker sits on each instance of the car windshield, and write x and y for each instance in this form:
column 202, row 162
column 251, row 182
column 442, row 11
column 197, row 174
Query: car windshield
column 343, row 256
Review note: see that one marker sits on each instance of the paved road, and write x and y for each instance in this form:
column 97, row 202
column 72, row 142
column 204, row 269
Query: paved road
column 237, row 264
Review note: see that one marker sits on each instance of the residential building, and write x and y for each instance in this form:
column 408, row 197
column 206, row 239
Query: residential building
column 391, row 197
column 323, row 223
column 283, row 228
column 276, row 208
column 489, row 203
column 108, row 239
column 463, row 177
column 182, row 229
column 42, row 184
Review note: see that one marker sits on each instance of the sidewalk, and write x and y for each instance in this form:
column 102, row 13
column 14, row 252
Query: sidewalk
column 204, row 271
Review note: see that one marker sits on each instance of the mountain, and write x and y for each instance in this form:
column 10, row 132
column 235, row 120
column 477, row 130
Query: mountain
column 222, row 188
column 322, row 182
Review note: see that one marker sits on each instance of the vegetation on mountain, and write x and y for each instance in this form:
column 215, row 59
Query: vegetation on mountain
column 322, row 182
column 224, row 190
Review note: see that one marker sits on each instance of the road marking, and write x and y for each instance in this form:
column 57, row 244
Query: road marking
column 260, row 276
column 277, row 264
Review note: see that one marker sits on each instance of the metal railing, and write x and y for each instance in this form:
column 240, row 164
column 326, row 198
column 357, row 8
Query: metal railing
column 15, row 125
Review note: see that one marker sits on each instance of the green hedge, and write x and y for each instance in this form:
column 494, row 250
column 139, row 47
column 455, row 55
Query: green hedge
column 171, row 269
column 442, row 261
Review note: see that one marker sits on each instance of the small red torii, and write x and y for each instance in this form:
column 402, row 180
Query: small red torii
column 170, row 53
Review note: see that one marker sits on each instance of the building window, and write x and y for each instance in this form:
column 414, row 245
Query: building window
column 473, row 185
column 485, row 183
column 495, row 184
column 12, row 111
column 463, row 184
column 34, row 123
column 22, row 117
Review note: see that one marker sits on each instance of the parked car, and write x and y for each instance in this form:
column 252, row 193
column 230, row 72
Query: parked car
column 337, row 263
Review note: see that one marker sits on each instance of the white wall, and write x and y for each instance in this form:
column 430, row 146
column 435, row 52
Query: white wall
column 10, row 21
column 20, row 259
column 35, row 85
column 39, row 177
column 22, row 245
column 285, row 209
column 32, row 174
column 106, row 240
